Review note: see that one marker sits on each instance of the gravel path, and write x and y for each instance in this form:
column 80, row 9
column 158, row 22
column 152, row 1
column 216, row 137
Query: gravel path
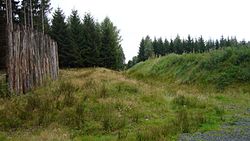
column 237, row 131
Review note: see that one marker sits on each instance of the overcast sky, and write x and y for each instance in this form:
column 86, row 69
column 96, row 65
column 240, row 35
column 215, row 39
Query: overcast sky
column 166, row 18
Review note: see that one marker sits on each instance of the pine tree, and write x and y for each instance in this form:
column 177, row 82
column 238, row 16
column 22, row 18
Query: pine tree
column 190, row 44
column 120, row 59
column 171, row 46
column 40, row 11
column 201, row 44
column 222, row 41
column 156, row 47
column 75, row 36
column 184, row 46
column 167, row 47
column 59, row 33
column 111, row 53
column 45, row 10
column 159, row 49
column 15, row 9
column 148, row 50
column 178, row 45
column 162, row 47
column 132, row 62
column 234, row 42
column 196, row 46
column 91, row 42
column 217, row 44
column 141, row 53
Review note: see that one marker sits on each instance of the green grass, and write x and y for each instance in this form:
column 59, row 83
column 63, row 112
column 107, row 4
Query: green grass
column 219, row 68
column 143, row 104
column 3, row 85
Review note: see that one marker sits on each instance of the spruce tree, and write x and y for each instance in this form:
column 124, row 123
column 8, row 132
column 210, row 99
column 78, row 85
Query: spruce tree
column 91, row 42
column 222, row 41
column 149, row 50
column 210, row 45
column 141, row 53
column 161, row 47
column 178, row 45
column 171, row 46
column 120, row 59
column 167, row 47
column 111, row 53
column 217, row 44
column 156, row 47
column 190, row 45
column 132, row 62
column 40, row 11
column 75, row 36
column 59, row 33
column 201, row 44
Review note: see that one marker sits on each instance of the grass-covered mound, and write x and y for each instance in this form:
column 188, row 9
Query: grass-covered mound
column 219, row 68
column 98, row 104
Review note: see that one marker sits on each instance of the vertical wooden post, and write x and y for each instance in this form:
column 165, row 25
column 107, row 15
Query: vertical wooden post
column 24, row 13
column 31, row 15
column 31, row 56
column 9, row 63
column 43, row 16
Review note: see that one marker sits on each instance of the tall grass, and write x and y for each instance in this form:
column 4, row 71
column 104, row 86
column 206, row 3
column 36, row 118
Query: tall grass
column 3, row 85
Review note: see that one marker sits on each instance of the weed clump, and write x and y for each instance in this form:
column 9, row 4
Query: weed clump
column 181, row 101
column 3, row 86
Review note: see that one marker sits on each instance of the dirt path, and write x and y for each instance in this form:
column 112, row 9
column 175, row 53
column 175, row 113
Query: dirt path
column 236, row 131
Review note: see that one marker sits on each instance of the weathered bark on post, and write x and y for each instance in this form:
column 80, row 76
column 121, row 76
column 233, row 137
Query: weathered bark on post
column 32, row 56
column 33, row 59
column 9, row 44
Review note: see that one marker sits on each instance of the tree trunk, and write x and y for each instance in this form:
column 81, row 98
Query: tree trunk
column 31, row 15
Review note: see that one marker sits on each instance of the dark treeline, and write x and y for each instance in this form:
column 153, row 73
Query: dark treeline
column 30, row 13
column 87, row 43
column 81, row 42
column 159, row 47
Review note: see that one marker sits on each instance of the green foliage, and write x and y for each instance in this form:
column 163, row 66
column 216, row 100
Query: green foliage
column 219, row 68
column 3, row 86
column 41, row 9
column 111, row 53
column 3, row 137
column 180, row 46
column 87, row 43
column 75, row 35
column 141, row 53
column 59, row 32
column 91, row 41
column 126, row 88
column 148, row 50
column 132, row 62
column 189, row 102
column 184, row 122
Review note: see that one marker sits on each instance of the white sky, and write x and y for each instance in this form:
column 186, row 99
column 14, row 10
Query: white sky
column 166, row 18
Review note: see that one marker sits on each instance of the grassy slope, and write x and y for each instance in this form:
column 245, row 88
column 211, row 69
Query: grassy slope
column 102, row 105
column 220, row 68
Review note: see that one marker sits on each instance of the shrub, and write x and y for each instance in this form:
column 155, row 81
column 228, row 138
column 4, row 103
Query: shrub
column 66, row 91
